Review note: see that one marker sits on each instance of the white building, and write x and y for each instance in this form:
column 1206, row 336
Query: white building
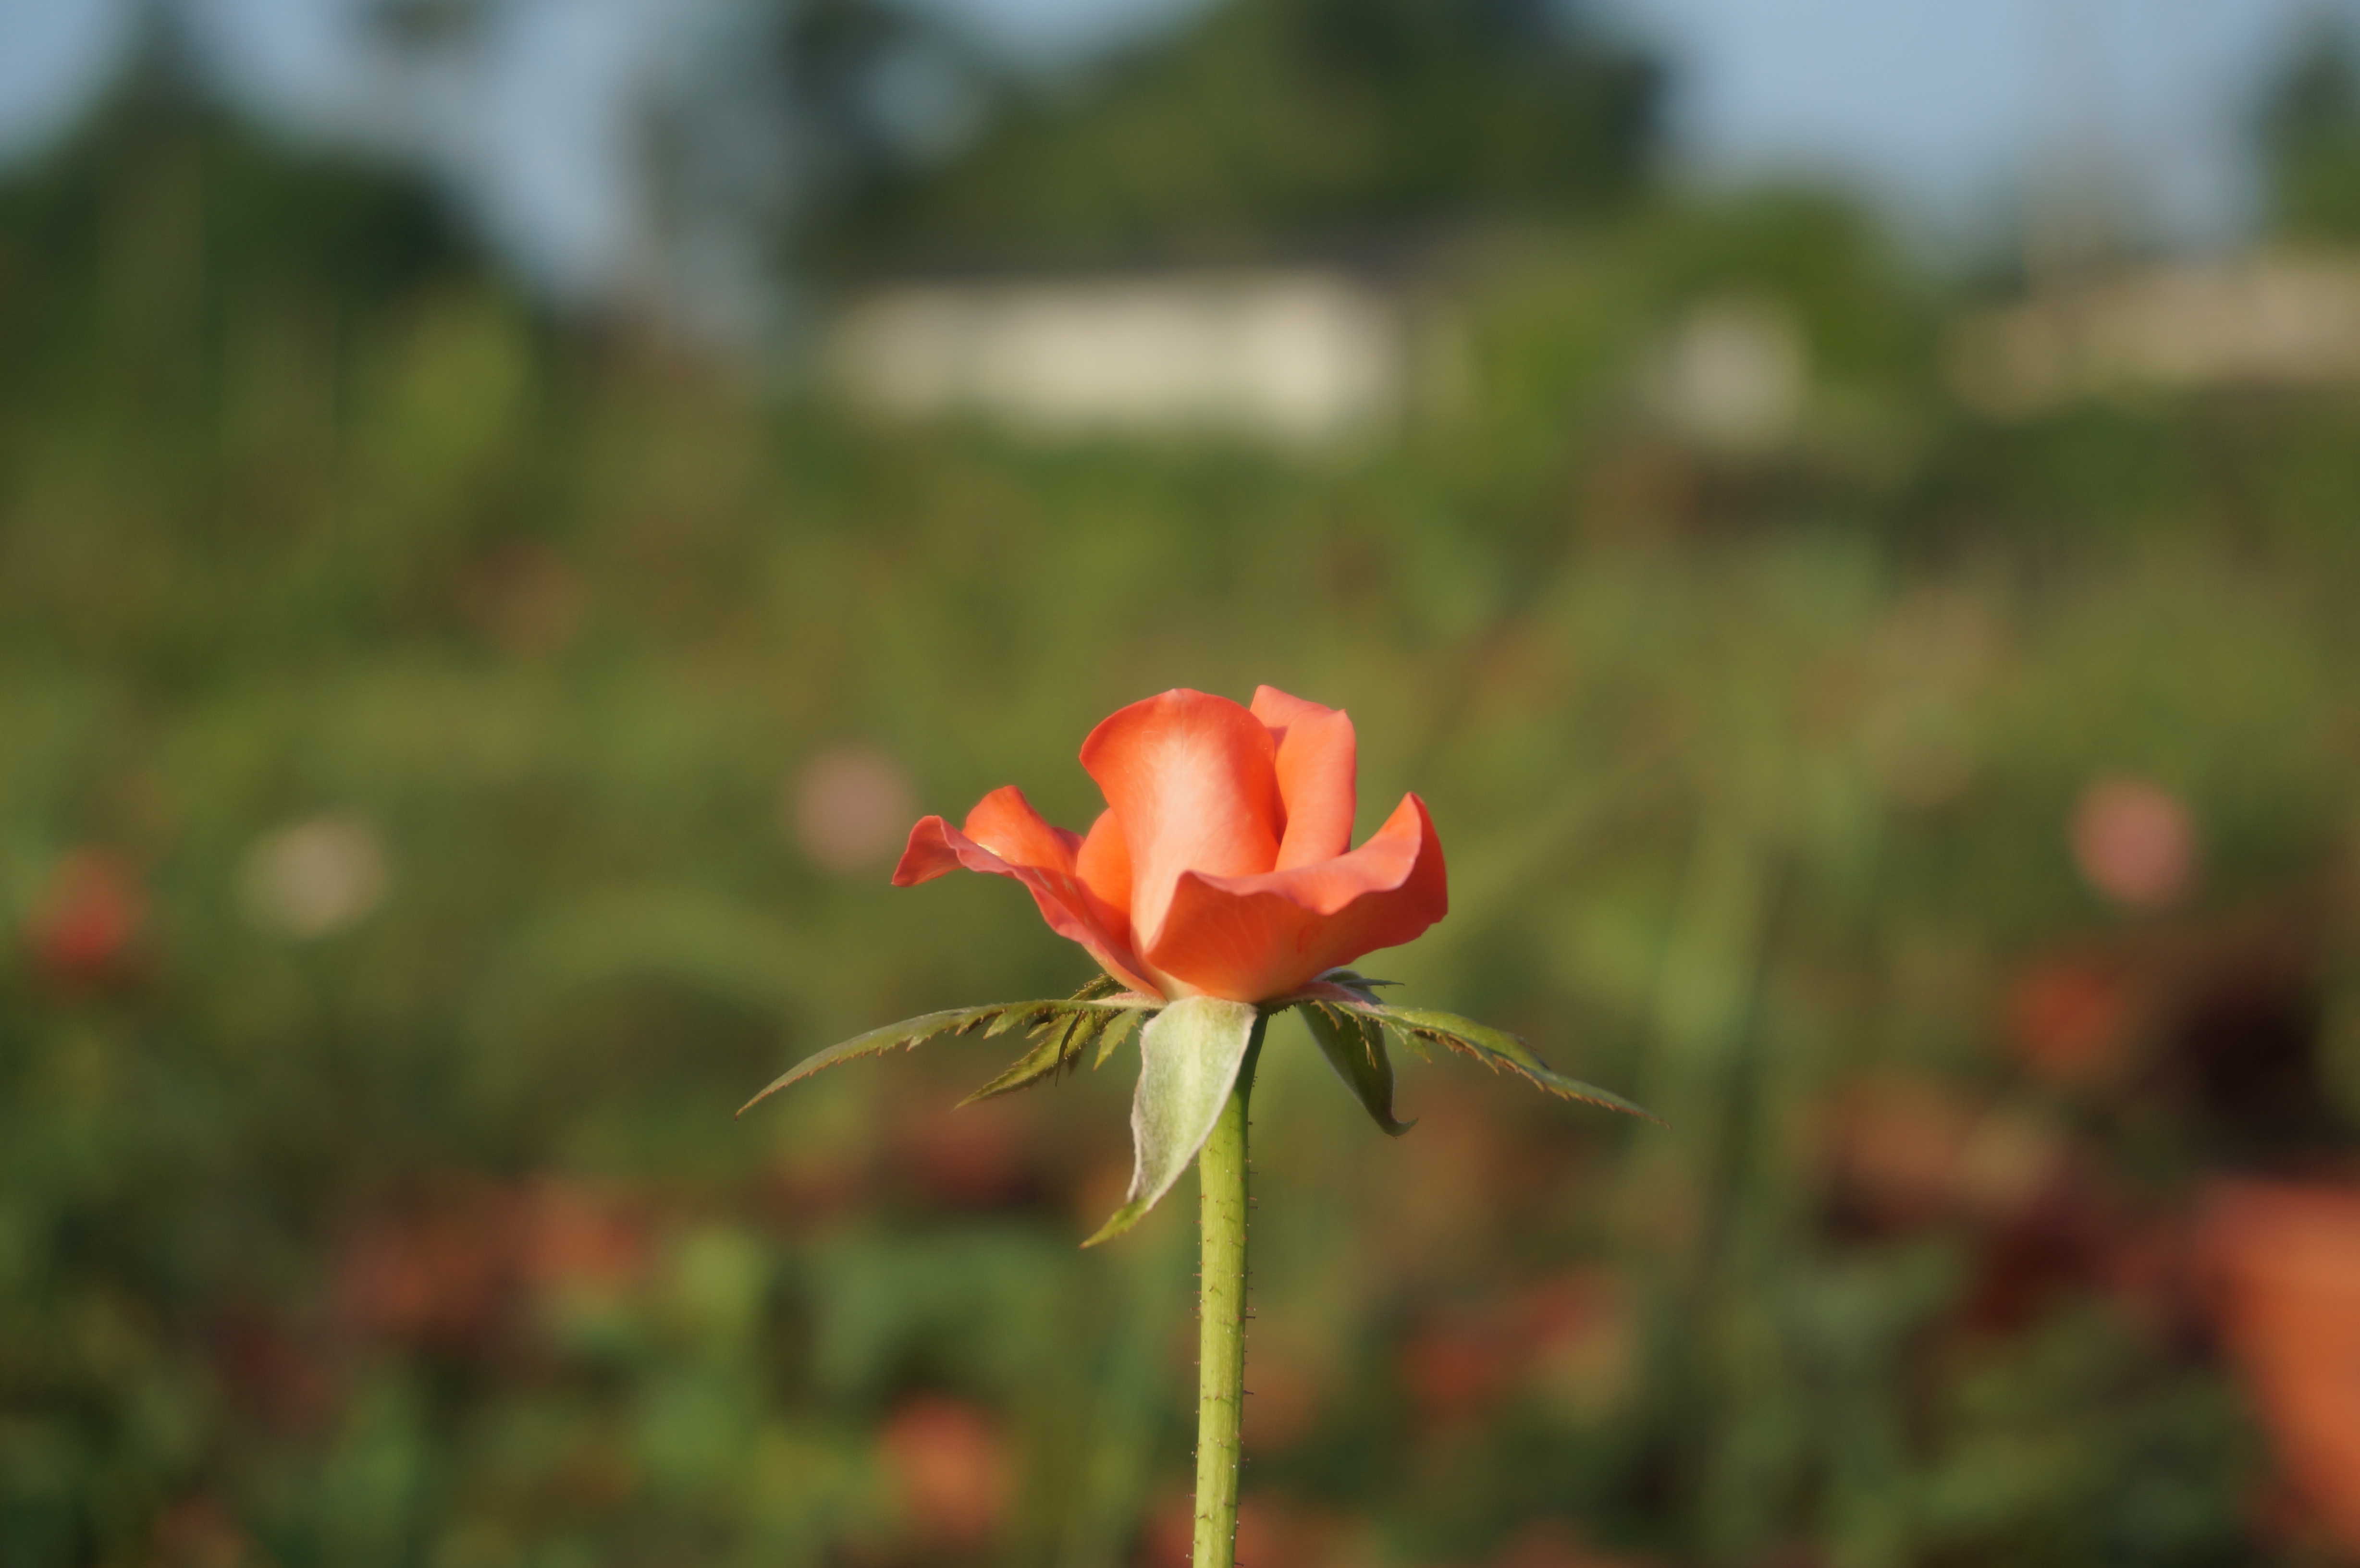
column 1301, row 356
column 2264, row 320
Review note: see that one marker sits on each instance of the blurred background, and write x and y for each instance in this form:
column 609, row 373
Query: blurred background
column 508, row 508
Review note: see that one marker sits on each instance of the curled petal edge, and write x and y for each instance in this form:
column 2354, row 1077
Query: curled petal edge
column 1255, row 937
column 936, row 848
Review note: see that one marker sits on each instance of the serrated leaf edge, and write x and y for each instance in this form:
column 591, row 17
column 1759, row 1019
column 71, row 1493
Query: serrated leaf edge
column 1418, row 1029
column 991, row 1018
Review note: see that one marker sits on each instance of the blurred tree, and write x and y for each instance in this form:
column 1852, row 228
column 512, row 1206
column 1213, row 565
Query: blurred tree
column 2311, row 139
column 1330, row 117
column 784, row 112
column 705, row 153
column 167, row 205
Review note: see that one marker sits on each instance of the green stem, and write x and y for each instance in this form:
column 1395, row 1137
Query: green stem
column 1221, row 1329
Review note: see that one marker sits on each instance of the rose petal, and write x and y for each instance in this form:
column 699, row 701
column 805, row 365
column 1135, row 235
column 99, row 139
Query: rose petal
column 1253, row 937
column 1317, row 761
column 1007, row 821
column 1191, row 778
column 1103, row 863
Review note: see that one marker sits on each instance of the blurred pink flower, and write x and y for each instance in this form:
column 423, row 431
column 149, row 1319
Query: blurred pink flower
column 847, row 805
column 2134, row 841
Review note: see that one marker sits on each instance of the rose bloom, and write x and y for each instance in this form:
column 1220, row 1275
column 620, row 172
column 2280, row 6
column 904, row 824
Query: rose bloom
column 1222, row 864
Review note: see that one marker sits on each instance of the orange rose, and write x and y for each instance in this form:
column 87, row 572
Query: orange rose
column 1222, row 864
column 1222, row 887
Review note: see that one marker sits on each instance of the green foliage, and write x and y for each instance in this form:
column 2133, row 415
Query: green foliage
column 2311, row 137
column 1354, row 1045
column 1064, row 1029
column 1275, row 119
column 166, row 223
column 1417, row 1027
column 1064, row 1037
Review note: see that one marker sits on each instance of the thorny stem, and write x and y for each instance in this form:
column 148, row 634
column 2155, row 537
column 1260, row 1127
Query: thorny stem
column 1221, row 1336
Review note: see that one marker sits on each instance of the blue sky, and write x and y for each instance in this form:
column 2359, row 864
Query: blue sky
column 1946, row 110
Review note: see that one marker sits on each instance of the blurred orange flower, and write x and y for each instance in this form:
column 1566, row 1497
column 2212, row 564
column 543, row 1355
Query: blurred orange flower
column 2286, row 1259
column 951, row 1467
column 2071, row 1020
column 569, row 1236
column 83, row 927
column 1222, row 864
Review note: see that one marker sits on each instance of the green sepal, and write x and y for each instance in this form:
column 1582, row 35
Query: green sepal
column 1098, row 988
column 1042, row 1061
column 1190, row 1058
column 990, row 1019
column 1118, row 1028
column 1062, row 1035
column 1354, row 1045
column 1012, row 1016
column 1080, row 1029
column 1418, row 1028
column 1353, row 980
